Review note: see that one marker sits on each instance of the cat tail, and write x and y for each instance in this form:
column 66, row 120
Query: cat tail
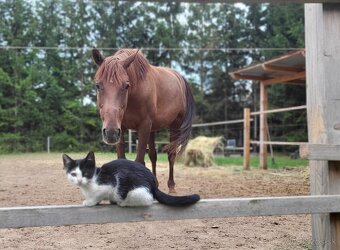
column 175, row 201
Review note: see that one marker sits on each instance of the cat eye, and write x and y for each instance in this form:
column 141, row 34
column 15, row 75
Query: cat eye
column 73, row 174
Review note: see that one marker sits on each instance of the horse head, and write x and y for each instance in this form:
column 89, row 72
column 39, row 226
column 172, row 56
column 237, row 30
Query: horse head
column 112, row 84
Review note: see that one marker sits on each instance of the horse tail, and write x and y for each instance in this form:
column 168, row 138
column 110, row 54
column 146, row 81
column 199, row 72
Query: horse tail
column 176, row 201
column 181, row 135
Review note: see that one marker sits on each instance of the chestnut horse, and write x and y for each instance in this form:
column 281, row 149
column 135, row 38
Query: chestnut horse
column 133, row 94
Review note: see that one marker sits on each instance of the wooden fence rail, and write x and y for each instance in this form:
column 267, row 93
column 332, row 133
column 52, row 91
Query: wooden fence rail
column 278, row 110
column 264, row 135
column 18, row 217
column 282, row 143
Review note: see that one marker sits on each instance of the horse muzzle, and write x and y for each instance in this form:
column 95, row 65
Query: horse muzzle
column 111, row 136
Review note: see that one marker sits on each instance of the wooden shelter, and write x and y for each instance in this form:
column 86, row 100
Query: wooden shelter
column 286, row 69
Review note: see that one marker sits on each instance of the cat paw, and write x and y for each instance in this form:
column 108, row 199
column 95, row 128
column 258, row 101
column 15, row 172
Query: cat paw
column 89, row 203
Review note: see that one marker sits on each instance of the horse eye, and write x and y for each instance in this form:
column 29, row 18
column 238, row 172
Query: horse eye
column 99, row 86
column 126, row 85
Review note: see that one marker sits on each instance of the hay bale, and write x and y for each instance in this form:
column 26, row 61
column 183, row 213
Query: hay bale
column 199, row 151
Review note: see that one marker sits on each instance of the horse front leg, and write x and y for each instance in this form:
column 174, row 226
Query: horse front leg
column 143, row 133
column 120, row 147
column 153, row 154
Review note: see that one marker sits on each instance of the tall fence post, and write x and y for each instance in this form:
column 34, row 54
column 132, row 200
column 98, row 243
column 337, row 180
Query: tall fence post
column 322, row 25
column 263, row 124
column 48, row 144
column 246, row 139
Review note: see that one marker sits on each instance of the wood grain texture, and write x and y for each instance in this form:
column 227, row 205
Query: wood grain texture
column 322, row 23
column 320, row 152
column 18, row 217
column 263, row 125
column 246, row 139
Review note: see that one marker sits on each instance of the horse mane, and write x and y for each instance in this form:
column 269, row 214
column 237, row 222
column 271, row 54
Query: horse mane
column 112, row 67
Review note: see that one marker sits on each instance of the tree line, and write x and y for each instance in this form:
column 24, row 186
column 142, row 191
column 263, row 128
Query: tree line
column 46, row 70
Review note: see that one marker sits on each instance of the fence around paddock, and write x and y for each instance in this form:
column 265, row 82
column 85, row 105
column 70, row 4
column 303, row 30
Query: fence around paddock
column 264, row 135
column 18, row 217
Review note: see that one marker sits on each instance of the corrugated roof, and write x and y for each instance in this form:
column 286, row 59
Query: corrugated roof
column 289, row 69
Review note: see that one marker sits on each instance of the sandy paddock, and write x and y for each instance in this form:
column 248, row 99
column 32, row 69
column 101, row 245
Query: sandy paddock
column 38, row 179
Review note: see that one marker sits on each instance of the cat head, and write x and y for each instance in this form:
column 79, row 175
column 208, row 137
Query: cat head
column 80, row 172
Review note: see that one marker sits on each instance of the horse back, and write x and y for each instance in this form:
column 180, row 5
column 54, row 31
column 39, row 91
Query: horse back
column 164, row 99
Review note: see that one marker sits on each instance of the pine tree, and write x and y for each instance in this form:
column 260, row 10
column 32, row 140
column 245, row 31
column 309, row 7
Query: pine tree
column 17, row 31
column 285, row 28
column 226, row 97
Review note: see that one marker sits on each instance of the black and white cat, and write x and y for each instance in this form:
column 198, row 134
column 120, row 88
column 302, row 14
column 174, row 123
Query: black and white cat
column 124, row 182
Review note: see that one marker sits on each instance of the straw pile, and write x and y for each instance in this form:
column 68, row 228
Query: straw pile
column 199, row 151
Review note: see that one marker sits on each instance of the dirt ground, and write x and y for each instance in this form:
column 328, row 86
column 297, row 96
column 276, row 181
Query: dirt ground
column 38, row 179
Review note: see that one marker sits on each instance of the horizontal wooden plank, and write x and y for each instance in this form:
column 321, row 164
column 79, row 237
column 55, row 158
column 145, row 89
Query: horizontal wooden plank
column 325, row 152
column 287, row 78
column 218, row 123
column 283, row 143
column 278, row 110
column 285, row 69
column 239, row 76
column 17, row 217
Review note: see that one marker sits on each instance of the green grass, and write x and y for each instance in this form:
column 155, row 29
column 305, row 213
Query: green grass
column 281, row 161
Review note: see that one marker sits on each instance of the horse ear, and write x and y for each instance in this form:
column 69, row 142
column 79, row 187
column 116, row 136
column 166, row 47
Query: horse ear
column 129, row 60
column 97, row 57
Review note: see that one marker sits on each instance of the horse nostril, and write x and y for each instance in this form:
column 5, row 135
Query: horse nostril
column 113, row 132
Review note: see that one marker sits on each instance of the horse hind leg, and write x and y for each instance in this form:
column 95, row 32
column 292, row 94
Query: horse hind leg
column 171, row 158
column 153, row 154
column 171, row 182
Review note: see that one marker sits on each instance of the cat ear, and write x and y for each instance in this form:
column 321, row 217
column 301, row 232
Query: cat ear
column 67, row 160
column 90, row 156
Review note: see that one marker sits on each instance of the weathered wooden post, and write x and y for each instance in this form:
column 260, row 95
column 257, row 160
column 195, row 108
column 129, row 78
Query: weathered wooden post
column 246, row 138
column 263, row 125
column 322, row 29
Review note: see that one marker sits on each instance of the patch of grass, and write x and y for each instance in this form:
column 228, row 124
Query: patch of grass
column 279, row 161
column 306, row 245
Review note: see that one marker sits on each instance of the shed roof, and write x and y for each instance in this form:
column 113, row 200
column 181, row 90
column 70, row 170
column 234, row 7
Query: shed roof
column 288, row 69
